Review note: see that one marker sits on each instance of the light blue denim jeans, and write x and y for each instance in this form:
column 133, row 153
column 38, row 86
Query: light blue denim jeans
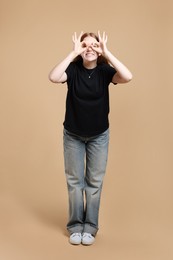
column 85, row 160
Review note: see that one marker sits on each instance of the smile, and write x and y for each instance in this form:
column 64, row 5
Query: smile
column 89, row 53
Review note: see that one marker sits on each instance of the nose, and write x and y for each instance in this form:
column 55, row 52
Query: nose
column 89, row 48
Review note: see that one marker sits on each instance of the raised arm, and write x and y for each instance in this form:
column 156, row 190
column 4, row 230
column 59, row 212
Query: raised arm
column 58, row 74
column 123, row 74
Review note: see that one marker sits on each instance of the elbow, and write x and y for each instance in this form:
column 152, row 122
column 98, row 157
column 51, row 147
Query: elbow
column 123, row 79
column 51, row 78
column 129, row 78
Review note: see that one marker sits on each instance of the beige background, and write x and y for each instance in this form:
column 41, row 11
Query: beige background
column 137, row 204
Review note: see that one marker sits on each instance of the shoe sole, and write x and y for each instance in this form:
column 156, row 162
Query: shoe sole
column 75, row 243
column 87, row 244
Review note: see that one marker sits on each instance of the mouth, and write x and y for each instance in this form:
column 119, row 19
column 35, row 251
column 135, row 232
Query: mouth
column 89, row 53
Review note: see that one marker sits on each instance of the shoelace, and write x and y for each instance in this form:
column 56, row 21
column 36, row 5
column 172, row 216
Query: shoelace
column 87, row 235
column 76, row 234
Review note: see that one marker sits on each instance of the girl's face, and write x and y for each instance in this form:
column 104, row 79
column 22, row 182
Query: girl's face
column 89, row 54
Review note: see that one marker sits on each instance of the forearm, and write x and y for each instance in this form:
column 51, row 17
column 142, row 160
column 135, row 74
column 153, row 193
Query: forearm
column 57, row 72
column 123, row 72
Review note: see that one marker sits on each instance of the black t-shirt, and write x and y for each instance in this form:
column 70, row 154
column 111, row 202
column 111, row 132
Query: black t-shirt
column 87, row 102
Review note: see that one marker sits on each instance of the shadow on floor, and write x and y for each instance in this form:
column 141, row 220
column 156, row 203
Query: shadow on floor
column 55, row 218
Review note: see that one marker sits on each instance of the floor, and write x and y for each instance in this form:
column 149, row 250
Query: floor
column 27, row 234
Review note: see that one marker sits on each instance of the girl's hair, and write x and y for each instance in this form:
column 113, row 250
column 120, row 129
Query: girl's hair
column 100, row 58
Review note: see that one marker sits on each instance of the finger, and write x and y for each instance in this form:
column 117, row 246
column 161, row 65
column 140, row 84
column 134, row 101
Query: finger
column 74, row 37
column 105, row 38
column 99, row 36
column 103, row 35
column 80, row 35
column 97, row 49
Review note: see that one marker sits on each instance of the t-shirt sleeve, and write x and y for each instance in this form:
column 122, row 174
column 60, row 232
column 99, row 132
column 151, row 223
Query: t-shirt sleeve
column 109, row 71
column 70, row 71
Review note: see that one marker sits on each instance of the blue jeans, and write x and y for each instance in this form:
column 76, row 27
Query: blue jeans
column 85, row 160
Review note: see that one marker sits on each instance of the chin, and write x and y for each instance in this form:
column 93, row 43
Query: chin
column 90, row 58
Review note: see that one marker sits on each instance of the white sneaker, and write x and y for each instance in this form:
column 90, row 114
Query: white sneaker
column 75, row 238
column 87, row 239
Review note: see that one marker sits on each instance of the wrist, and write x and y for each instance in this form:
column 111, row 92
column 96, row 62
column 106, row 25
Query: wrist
column 106, row 54
column 73, row 55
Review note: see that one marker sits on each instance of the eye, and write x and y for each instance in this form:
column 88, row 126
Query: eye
column 95, row 45
column 84, row 45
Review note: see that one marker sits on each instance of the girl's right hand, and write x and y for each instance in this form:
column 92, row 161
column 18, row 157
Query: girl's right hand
column 79, row 47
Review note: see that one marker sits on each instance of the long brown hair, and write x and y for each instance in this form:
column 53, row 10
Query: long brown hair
column 100, row 58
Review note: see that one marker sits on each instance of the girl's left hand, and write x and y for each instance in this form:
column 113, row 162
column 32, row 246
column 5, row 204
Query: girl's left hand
column 101, row 47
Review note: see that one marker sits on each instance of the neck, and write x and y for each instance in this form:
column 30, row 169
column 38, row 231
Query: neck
column 89, row 65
